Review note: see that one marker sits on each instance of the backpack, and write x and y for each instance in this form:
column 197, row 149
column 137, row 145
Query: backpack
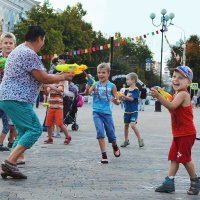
column 80, row 101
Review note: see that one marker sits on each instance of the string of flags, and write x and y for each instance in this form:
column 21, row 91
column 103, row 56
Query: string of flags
column 102, row 47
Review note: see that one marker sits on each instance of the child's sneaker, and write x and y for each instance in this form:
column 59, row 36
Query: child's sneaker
column 194, row 186
column 57, row 135
column 49, row 141
column 116, row 151
column 67, row 140
column 141, row 142
column 167, row 186
column 125, row 143
column 104, row 159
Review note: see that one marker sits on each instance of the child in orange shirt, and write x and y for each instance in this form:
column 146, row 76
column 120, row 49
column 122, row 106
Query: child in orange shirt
column 55, row 112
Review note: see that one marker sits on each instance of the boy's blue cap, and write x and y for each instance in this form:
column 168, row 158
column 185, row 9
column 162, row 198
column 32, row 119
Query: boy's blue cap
column 185, row 71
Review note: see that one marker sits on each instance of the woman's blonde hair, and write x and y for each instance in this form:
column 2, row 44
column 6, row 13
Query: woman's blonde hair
column 7, row 35
column 104, row 66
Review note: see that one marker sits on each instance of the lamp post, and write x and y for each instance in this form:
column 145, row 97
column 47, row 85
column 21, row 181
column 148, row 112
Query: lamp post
column 165, row 22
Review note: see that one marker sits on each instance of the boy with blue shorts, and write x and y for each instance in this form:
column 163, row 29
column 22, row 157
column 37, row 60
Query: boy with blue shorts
column 104, row 92
column 130, row 99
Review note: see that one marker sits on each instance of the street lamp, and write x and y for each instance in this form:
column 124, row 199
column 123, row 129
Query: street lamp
column 165, row 22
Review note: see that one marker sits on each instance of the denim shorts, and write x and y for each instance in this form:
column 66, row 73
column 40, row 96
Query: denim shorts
column 104, row 124
column 130, row 117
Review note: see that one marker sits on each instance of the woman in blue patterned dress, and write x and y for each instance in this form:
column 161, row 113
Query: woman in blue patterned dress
column 23, row 76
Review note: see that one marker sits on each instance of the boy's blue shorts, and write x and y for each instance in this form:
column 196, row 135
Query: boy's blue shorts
column 130, row 117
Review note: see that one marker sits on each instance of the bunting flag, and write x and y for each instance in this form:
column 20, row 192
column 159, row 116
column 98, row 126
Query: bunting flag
column 102, row 47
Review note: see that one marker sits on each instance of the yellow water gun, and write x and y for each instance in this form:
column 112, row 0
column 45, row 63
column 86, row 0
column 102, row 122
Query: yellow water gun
column 165, row 94
column 2, row 62
column 75, row 68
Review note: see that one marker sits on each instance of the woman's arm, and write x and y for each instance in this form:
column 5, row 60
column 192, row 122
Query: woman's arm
column 46, row 78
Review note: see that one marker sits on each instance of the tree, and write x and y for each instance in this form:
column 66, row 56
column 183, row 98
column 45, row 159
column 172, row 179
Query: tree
column 192, row 56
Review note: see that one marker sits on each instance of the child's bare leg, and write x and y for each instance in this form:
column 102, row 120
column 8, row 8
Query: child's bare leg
column 65, row 131
column 126, row 132
column 135, row 129
column 102, row 144
column 13, row 134
column 50, row 131
column 189, row 166
column 58, row 129
column 173, row 168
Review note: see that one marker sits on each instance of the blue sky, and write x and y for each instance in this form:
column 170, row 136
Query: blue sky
column 131, row 18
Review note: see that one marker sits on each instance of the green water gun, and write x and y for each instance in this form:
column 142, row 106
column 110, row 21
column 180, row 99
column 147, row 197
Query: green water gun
column 2, row 62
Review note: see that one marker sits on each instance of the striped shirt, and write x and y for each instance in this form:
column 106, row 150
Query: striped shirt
column 56, row 98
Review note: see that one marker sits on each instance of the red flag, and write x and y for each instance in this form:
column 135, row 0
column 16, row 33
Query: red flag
column 105, row 46
column 124, row 42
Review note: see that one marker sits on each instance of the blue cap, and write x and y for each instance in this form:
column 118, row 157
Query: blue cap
column 185, row 71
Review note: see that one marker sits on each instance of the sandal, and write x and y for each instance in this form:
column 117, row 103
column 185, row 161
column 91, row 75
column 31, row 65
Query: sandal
column 194, row 186
column 9, row 169
column 20, row 162
column 48, row 141
column 67, row 140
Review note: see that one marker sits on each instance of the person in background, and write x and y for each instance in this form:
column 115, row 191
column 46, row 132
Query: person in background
column 54, row 63
column 122, row 90
column 143, row 96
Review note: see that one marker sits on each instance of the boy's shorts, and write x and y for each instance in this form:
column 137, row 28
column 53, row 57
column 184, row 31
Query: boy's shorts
column 181, row 147
column 54, row 116
column 130, row 118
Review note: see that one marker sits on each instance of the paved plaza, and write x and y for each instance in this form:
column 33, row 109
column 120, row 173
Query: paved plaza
column 58, row 172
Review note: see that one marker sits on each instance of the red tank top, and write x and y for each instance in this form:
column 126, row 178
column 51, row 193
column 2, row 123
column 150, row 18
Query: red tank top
column 182, row 121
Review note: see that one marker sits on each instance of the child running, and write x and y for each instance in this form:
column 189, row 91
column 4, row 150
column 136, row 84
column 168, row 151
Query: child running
column 103, row 93
column 130, row 99
column 183, row 130
column 55, row 112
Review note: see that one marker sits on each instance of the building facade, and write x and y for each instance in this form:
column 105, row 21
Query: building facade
column 11, row 11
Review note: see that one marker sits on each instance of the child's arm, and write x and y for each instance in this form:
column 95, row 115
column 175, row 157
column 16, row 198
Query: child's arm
column 182, row 98
column 88, row 89
column 57, row 89
column 128, row 98
column 115, row 100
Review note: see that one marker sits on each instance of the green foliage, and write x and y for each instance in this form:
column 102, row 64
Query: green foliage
column 67, row 31
column 192, row 56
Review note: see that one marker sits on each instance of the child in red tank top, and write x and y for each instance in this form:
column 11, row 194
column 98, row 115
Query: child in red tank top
column 183, row 130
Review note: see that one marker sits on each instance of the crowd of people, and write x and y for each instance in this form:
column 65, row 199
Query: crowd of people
column 23, row 76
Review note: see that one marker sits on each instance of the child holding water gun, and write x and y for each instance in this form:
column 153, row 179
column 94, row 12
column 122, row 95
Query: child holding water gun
column 183, row 130
column 130, row 99
column 103, row 93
